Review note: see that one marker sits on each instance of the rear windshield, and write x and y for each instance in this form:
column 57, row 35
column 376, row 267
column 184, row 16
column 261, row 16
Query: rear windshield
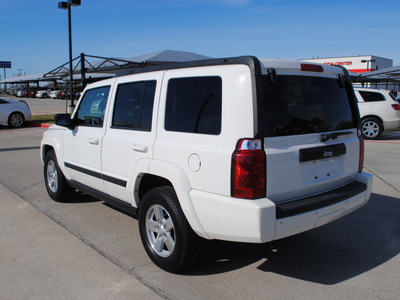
column 295, row 105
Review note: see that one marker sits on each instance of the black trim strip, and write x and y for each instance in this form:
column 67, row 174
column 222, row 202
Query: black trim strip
column 83, row 170
column 104, row 197
column 321, row 152
column 97, row 175
column 114, row 180
column 291, row 208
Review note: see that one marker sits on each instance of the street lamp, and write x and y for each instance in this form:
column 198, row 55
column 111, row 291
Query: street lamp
column 67, row 5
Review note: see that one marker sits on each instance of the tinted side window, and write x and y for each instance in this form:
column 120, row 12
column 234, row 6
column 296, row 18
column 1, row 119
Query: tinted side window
column 134, row 105
column 2, row 101
column 371, row 96
column 194, row 105
column 92, row 107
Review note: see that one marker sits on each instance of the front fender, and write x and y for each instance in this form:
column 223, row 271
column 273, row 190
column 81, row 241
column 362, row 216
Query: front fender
column 54, row 137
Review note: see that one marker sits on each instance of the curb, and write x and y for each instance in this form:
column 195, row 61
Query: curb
column 38, row 125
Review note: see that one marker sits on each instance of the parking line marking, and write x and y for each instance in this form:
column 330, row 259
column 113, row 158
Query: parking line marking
column 383, row 142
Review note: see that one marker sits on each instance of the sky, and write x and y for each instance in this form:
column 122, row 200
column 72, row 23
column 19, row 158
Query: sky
column 34, row 33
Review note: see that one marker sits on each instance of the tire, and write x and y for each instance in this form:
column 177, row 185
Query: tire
column 44, row 96
column 371, row 128
column 166, row 235
column 56, row 184
column 16, row 120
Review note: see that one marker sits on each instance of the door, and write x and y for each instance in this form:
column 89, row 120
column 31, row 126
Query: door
column 128, row 144
column 82, row 145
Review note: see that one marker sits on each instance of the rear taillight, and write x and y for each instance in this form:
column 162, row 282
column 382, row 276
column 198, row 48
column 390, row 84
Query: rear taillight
column 24, row 102
column 396, row 106
column 361, row 156
column 248, row 173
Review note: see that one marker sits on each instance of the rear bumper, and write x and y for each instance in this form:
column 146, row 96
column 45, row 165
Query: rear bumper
column 256, row 221
column 392, row 124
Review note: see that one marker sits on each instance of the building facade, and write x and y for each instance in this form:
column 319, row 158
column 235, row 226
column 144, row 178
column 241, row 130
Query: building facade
column 356, row 64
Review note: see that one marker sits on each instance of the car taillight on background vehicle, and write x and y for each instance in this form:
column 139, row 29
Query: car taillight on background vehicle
column 361, row 156
column 248, row 170
column 396, row 106
column 24, row 102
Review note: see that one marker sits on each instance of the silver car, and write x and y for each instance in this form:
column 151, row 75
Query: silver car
column 14, row 112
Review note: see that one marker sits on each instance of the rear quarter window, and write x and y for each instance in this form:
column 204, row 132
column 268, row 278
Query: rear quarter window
column 371, row 96
column 194, row 105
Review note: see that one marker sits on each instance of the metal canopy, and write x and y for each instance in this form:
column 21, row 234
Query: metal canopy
column 93, row 63
column 91, row 67
column 388, row 75
column 32, row 78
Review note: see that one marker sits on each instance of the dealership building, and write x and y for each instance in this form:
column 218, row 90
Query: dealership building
column 357, row 64
column 367, row 70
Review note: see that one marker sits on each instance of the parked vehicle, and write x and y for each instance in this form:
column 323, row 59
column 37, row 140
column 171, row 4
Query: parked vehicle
column 14, row 112
column 54, row 94
column 234, row 149
column 20, row 92
column 379, row 110
column 32, row 93
column 25, row 93
column 43, row 93
column 62, row 95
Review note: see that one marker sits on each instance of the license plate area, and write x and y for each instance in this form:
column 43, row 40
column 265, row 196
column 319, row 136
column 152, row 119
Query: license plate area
column 322, row 163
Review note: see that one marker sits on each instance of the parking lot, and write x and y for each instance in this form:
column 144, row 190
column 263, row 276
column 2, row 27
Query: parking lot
column 101, row 257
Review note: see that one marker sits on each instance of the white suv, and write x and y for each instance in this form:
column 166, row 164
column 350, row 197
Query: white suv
column 234, row 149
column 379, row 111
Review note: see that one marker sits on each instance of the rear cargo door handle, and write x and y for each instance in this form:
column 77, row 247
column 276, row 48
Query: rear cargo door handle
column 94, row 141
column 140, row 148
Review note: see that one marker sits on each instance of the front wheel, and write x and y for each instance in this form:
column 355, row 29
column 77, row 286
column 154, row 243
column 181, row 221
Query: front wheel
column 371, row 128
column 56, row 184
column 166, row 235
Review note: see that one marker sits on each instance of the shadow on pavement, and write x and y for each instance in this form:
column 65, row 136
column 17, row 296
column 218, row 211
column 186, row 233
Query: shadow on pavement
column 327, row 255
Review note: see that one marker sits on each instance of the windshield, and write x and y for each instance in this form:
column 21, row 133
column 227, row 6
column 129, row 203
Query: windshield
column 296, row 105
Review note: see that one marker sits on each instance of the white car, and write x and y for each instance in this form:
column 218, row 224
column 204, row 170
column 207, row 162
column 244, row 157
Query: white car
column 43, row 93
column 20, row 93
column 379, row 111
column 54, row 94
column 234, row 149
column 14, row 112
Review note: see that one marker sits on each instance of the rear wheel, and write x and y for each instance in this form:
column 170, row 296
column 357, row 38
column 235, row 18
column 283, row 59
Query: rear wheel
column 371, row 128
column 166, row 235
column 56, row 184
column 16, row 120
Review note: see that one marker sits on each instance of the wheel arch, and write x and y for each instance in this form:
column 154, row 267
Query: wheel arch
column 48, row 144
column 167, row 174
column 375, row 117
column 16, row 112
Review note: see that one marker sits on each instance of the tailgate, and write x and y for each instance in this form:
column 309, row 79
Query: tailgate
column 302, row 165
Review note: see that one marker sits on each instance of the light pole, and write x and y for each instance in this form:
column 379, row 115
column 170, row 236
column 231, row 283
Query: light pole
column 67, row 5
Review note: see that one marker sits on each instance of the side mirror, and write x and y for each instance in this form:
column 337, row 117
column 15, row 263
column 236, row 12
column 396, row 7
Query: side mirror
column 64, row 120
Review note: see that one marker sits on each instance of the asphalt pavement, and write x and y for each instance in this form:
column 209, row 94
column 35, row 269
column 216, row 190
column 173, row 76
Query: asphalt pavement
column 88, row 250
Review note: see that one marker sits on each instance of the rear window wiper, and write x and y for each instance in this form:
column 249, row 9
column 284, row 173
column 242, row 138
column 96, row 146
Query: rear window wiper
column 327, row 136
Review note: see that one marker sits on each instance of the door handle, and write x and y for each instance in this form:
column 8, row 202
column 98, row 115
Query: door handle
column 140, row 148
column 94, row 141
